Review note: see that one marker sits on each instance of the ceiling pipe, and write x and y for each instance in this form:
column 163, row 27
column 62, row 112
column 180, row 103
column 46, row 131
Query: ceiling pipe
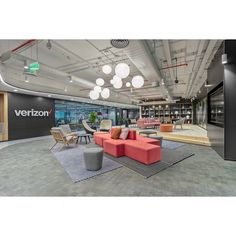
column 179, row 65
column 168, row 57
column 196, row 63
column 159, row 73
column 208, row 53
column 27, row 43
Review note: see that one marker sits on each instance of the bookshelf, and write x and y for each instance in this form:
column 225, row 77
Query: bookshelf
column 169, row 112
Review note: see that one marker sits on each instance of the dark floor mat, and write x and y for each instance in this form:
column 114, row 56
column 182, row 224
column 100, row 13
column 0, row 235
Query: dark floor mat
column 169, row 158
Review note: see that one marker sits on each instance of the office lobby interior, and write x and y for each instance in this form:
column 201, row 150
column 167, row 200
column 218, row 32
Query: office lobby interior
column 117, row 117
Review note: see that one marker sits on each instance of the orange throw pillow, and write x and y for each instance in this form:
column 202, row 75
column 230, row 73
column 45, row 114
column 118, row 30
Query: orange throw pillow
column 115, row 133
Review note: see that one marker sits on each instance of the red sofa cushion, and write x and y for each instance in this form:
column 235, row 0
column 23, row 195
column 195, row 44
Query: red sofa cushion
column 132, row 134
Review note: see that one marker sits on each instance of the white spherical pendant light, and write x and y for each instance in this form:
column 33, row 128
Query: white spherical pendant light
column 137, row 81
column 116, row 79
column 94, row 95
column 106, row 69
column 128, row 84
column 97, row 89
column 118, row 84
column 105, row 93
column 122, row 70
column 100, row 82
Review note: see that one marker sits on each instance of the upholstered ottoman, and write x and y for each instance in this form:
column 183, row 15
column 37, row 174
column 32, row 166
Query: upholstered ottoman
column 166, row 128
column 114, row 147
column 93, row 158
column 143, row 152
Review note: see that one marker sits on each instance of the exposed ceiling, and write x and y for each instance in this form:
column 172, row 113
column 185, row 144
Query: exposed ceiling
column 186, row 60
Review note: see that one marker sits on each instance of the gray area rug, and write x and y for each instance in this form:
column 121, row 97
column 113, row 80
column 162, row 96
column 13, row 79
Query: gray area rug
column 71, row 158
column 171, row 145
column 169, row 158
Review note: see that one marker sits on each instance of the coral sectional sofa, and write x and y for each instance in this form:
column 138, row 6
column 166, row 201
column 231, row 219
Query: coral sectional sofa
column 139, row 148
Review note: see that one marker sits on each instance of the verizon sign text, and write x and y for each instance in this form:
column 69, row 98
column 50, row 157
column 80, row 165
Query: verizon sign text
column 33, row 113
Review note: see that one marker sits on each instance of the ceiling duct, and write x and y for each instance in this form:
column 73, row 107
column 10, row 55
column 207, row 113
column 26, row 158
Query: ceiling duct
column 120, row 43
column 140, row 55
column 5, row 56
column 46, row 70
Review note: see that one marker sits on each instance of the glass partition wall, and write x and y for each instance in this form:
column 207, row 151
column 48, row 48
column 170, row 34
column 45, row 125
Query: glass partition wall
column 73, row 113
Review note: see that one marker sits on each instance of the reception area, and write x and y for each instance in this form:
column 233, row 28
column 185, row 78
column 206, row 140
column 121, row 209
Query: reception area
column 86, row 118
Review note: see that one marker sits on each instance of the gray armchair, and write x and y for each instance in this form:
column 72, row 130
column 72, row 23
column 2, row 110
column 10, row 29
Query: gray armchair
column 179, row 122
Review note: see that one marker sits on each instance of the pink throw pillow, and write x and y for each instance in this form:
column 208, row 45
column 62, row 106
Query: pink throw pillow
column 124, row 134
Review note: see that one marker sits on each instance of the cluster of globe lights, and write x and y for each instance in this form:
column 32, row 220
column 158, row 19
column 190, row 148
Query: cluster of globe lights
column 122, row 71
column 97, row 90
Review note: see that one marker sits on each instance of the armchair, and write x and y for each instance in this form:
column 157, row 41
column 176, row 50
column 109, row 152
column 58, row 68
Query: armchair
column 67, row 130
column 60, row 137
column 105, row 125
column 87, row 128
column 179, row 122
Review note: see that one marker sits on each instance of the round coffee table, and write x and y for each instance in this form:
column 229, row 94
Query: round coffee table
column 85, row 136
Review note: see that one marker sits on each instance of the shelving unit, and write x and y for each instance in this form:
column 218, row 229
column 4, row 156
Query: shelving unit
column 169, row 112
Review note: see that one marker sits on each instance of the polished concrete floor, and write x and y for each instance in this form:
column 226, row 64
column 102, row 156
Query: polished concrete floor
column 29, row 169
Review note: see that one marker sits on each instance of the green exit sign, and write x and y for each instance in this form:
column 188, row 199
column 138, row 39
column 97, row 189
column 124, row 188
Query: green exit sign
column 34, row 67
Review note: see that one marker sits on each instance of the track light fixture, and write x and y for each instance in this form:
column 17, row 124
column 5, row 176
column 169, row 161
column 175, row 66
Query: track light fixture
column 162, row 82
column 70, row 79
column 49, row 44
column 25, row 65
column 224, row 59
column 176, row 78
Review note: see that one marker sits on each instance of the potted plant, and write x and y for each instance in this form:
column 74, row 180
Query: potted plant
column 126, row 122
column 92, row 118
column 119, row 121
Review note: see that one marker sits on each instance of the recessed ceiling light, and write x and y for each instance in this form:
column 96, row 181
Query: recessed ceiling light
column 49, row 95
column 15, row 90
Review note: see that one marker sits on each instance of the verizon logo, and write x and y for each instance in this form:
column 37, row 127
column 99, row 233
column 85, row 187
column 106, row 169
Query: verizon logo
column 33, row 112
